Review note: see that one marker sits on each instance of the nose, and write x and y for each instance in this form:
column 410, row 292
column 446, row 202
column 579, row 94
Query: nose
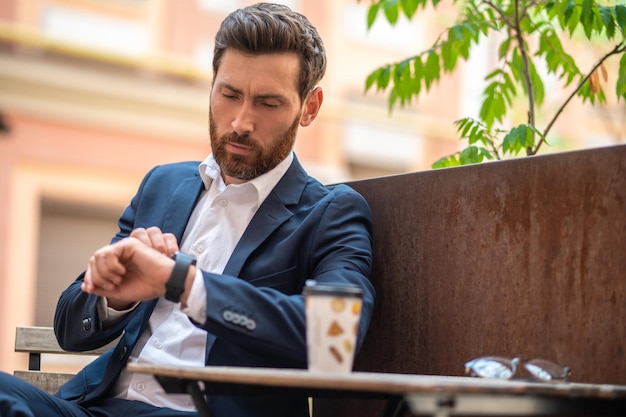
column 243, row 122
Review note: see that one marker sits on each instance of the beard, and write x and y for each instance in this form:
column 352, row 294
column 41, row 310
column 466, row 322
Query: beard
column 260, row 161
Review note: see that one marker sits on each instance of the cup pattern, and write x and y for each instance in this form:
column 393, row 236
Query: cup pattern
column 332, row 327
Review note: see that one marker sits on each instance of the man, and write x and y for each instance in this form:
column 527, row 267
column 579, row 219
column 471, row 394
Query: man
column 250, row 218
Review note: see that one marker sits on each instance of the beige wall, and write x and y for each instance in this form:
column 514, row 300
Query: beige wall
column 31, row 183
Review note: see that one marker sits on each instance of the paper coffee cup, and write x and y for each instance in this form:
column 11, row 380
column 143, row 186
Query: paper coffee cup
column 332, row 323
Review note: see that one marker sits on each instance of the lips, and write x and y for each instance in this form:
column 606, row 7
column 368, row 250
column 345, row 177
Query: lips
column 238, row 148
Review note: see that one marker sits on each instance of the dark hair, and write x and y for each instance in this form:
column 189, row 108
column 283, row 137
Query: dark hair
column 266, row 28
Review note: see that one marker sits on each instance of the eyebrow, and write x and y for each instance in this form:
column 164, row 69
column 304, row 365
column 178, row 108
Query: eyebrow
column 256, row 97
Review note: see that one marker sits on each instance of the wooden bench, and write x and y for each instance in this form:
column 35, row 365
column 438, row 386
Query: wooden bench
column 40, row 340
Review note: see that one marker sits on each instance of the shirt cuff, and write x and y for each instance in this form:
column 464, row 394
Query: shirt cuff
column 109, row 315
column 196, row 302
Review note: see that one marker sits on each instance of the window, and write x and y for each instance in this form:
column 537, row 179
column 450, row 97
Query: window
column 94, row 30
column 382, row 34
column 381, row 148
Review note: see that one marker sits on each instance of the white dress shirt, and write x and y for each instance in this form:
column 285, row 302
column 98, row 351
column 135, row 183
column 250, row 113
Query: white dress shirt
column 219, row 219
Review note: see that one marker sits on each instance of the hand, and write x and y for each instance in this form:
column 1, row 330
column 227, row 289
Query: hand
column 128, row 271
column 153, row 236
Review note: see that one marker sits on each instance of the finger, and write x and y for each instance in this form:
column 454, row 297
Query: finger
column 157, row 239
column 106, row 271
column 141, row 234
column 87, row 284
column 171, row 243
column 114, row 292
column 93, row 281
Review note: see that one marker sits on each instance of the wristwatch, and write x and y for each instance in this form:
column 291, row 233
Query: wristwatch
column 175, row 285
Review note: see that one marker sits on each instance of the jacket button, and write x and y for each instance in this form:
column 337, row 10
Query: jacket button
column 123, row 353
column 87, row 324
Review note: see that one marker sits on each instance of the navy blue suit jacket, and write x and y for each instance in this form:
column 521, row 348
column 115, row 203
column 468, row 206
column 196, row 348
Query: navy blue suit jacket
column 303, row 230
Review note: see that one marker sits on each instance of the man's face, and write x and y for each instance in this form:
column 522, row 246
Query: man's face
column 255, row 113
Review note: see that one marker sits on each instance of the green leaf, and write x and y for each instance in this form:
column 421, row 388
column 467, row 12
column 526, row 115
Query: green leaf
column 620, row 15
column 391, row 11
column 586, row 17
column 504, row 48
column 462, row 125
column 372, row 12
column 418, row 75
column 409, row 7
column 609, row 22
column 469, row 155
column 463, row 45
column 431, row 69
column 620, row 87
column 449, row 56
column 493, row 74
column 474, row 134
column 455, row 33
column 574, row 19
column 511, row 142
column 399, row 70
column 383, row 78
column 566, row 12
column 372, row 78
column 536, row 132
column 403, row 82
column 537, row 83
column 519, row 138
column 473, row 155
column 557, row 60
column 393, row 98
column 495, row 98
column 556, row 10
column 447, row 162
column 517, row 67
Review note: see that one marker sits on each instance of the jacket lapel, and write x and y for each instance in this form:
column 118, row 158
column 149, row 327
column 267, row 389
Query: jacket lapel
column 272, row 213
column 181, row 206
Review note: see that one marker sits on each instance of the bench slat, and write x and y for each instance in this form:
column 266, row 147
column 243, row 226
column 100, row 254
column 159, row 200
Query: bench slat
column 36, row 340
column 47, row 381
column 33, row 339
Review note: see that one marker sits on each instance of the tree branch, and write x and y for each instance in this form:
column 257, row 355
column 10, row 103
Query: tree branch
column 619, row 48
column 527, row 77
column 503, row 15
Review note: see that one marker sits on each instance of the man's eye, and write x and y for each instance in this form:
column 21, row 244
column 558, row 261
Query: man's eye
column 270, row 105
column 229, row 96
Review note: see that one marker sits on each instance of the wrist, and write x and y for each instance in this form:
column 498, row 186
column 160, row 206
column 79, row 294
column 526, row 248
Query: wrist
column 191, row 275
column 179, row 281
column 118, row 305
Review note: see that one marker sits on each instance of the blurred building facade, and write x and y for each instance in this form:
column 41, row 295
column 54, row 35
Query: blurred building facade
column 93, row 93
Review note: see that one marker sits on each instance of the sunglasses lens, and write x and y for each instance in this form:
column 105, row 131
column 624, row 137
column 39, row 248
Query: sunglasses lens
column 491, row 367
column 546, row 370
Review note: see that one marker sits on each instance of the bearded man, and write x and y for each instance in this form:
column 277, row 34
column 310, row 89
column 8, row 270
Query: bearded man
column 211, row 257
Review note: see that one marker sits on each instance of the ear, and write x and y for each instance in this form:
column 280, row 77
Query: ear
column 312, row 104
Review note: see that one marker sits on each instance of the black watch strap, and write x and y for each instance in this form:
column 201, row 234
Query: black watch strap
column 175, row 286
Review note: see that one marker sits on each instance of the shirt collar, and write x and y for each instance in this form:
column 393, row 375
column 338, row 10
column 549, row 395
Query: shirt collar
column 264, row 184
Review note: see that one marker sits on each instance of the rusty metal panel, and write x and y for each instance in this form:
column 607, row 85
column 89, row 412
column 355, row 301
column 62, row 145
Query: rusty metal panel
column 525, row 257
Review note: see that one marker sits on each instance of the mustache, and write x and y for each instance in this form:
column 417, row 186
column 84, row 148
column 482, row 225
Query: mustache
column 243, row 140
